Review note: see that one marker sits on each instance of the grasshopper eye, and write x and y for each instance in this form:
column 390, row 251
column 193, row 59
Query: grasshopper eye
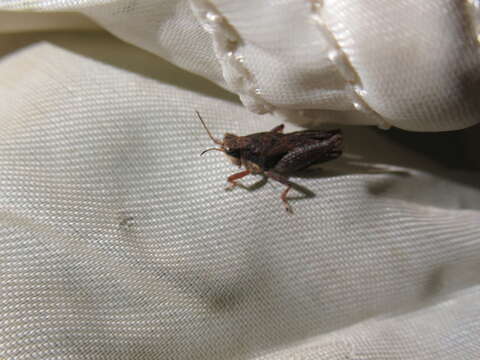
column 232, row 153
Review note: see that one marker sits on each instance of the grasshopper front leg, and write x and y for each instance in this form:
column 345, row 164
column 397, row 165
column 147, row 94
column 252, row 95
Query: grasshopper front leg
column 231, row 179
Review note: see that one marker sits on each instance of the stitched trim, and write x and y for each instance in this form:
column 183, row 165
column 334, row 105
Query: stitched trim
column 226, row 42
column 340, row 60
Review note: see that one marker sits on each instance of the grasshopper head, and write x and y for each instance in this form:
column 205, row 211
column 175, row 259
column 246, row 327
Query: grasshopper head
column 231, row 146
column 228, row 146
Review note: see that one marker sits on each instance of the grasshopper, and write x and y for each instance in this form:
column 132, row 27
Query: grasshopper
column 277, row 155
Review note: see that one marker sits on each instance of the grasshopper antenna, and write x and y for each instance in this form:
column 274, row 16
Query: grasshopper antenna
column 216, row 141
column 204, row 151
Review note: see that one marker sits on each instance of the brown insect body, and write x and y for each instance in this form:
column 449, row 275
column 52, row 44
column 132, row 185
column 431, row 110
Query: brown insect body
column 278, row 155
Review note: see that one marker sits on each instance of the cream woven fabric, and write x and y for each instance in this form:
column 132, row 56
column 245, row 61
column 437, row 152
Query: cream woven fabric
column 117, row 241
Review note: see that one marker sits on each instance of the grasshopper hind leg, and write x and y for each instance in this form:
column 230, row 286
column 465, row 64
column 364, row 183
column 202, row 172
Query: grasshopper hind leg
column 283, row 180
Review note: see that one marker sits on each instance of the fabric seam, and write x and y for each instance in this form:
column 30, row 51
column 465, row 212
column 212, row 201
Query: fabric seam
column 226, row 42
column 341, row 62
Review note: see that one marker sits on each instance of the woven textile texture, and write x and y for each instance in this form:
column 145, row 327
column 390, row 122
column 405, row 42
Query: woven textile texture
column 118, row 241
column 389, row 63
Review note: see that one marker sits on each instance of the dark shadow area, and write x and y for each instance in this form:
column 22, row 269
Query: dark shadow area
column 103, row 47
column 343, row 167
column 453, row 149
column 450, row 156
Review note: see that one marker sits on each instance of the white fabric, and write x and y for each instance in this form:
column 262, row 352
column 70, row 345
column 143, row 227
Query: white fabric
column 391, row 63
column 118, row 241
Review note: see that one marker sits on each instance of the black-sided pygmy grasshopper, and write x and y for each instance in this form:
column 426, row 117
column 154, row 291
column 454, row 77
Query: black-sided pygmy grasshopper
column 277, row 155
